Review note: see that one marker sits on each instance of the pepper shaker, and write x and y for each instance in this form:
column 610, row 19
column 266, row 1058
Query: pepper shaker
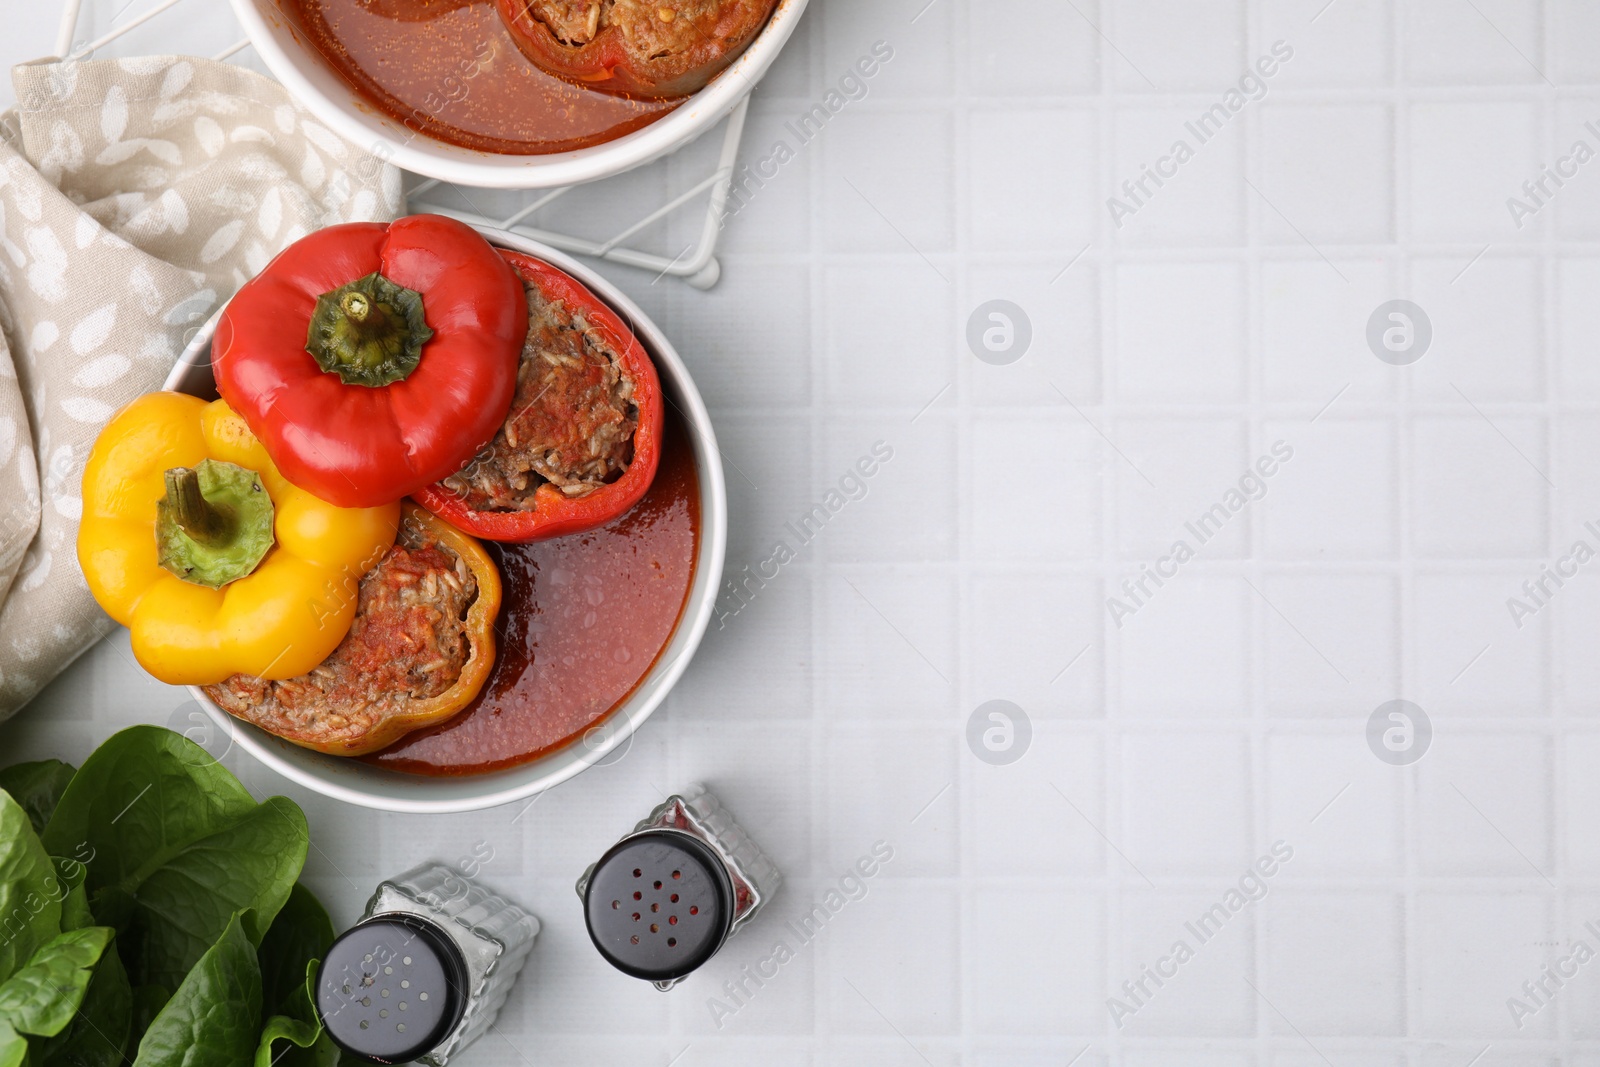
column 663, row 900
column 425, row 971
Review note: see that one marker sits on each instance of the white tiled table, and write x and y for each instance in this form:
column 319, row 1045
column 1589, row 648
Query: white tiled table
column 1227, row 712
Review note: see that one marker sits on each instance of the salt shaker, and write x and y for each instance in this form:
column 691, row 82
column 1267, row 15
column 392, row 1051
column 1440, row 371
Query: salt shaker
column 425, row 971
column 662, row 901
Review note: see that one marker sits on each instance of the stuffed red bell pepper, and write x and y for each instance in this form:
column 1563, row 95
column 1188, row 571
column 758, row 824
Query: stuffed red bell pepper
column 583, row 438
column 651, row 49
column 373, row 359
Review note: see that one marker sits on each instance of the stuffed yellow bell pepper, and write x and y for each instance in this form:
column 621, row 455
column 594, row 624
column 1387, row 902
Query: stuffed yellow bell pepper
column 211, row 558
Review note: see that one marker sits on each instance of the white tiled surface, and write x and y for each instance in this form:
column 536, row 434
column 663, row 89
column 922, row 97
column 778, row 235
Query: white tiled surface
column 1170, row 752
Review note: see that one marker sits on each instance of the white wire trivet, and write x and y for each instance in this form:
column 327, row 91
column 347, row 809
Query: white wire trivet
column 697, row 264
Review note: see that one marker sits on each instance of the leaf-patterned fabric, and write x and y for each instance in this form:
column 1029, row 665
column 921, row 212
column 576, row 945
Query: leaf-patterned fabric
column 135, row 196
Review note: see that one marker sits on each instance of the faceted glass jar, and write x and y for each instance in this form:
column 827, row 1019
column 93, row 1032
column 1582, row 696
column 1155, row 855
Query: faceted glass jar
column 469, row 943
column 744, row 879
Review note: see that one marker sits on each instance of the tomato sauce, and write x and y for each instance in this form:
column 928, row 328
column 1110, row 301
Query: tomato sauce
column 449, row 69
column 583, row 620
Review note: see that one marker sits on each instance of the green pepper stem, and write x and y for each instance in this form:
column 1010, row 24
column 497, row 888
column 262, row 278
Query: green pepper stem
column 369, row 332
column 215, row 525
column 355, row 306
column 204, row 523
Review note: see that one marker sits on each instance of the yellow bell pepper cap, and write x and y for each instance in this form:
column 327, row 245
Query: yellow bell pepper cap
column 278, row 621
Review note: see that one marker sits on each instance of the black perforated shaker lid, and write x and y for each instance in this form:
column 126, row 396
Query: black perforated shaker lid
column 392, row 988
column 659, row 904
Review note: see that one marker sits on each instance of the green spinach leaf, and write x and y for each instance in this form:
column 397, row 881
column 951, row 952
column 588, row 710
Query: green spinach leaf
column 178, row 848
column 301, row 1036
column 75, row 914
column 37, row 787
column 199, row 884
column 302, row 932
column 308, row 1043
column 98, row 1035
column 30, row 895
column 142, row 789
column 13, row 1047
column 43, row 996
column 214, row 1019
column 250, row 864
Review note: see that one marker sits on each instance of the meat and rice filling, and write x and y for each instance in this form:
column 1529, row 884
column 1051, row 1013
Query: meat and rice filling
column 574, row 22
column 408, row 644
column 651, row 28
column 571, row 423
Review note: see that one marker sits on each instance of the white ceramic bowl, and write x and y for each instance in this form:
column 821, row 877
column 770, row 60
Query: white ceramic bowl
column 307, row 76
column 375, row 787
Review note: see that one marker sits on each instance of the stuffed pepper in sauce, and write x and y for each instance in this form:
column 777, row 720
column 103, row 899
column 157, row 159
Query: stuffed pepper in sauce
column 419, row 651
column 583, row 438
column 648, row 49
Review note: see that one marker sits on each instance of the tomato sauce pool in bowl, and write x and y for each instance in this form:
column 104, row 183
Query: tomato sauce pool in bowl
column 594, row 629
column 440, row 88
column 449, row 69
column 582, row 621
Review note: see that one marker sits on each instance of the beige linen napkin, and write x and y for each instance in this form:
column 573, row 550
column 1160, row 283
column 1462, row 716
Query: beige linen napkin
column 135, row 196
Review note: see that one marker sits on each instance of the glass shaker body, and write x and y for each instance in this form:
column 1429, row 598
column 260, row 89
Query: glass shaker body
column 426, row 970
column 664, row 899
